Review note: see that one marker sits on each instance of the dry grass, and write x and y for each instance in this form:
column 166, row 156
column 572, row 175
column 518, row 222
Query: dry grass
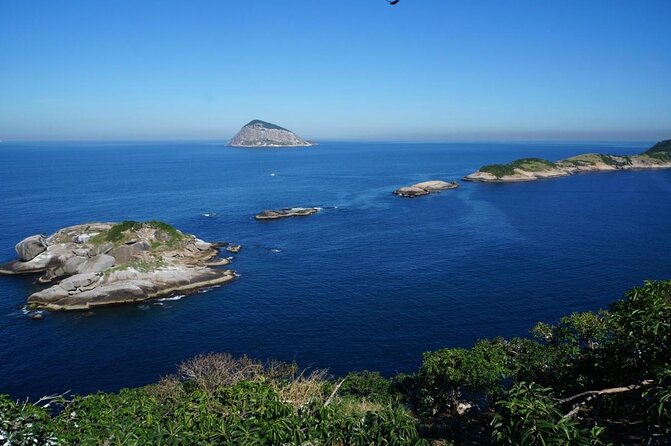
column 303, row 388
column 212, row 372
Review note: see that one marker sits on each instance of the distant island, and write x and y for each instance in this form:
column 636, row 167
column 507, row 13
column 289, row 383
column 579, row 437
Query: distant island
column 97, row 264
column 259, row 133
column 530, row 169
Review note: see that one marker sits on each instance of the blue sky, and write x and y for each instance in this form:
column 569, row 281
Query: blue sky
column 340, row 69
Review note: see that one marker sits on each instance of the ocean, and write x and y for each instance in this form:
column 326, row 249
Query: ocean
column 370, row 282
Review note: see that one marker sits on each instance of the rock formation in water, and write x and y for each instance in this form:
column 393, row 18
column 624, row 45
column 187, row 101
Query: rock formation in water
column 530, row 169
column 97, row 264
column 425, row 188
column 286, row 212
column 264, row 134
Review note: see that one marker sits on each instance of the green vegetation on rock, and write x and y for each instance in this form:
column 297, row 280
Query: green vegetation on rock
column 121, row 231
column 141, row 265
column 265, row 124
column 661, row 150
column 528, row 164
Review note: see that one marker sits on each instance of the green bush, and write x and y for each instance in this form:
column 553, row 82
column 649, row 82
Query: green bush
column 370, row 386
column 25, row 424
column 249, row 413
column 641, row 325
column 528, row 416
column 445, row 374
column 660, row 406
column 117, row 233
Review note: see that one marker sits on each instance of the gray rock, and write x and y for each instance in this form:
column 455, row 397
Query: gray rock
column 73, row 264
column 117, row 287
column 286, row 212
column 410, row 191
column 83, row 280
column 96, row 264
column 29, row 248
column 124, row 253
column 202, row 246
column 104, row 248
column 425, row 188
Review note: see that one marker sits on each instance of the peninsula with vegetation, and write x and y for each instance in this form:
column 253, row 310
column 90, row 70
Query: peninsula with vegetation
column 531, row 169
column 260, row 134
column 96, row 264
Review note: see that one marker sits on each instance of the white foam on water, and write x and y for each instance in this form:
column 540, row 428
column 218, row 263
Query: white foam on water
column 176, row 297
column 205, row 290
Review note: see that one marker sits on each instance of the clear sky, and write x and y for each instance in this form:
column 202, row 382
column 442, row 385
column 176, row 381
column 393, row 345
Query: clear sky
column 339, row 69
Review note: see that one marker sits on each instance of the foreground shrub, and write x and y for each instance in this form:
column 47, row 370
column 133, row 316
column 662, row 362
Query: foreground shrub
column 446, row 374
column 528, row 416
column 642, row 329
column 247, row 413
column 24, row 424
column 370, row 386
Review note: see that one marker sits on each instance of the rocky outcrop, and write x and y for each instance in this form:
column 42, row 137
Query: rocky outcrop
column 105, row 263
column 531, row 169
column 425, row 188
column 261, row 134
column 286, row 212
column 31, row 247
column 89, row 290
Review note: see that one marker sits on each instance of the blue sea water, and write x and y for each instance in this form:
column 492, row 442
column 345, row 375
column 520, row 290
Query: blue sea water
column 369, row 283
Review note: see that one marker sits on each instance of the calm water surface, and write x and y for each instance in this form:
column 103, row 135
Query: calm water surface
column 371, row 282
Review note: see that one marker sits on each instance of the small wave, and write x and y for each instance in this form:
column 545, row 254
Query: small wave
column 275, row 250
column 176, row 297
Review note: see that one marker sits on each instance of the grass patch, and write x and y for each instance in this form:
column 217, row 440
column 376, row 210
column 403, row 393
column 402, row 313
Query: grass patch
column 141, row 265
column 527, row 164
column 119, row 232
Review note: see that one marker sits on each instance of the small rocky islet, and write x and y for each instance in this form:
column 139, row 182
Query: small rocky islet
column 425, row 188
column 531, row 169
column 96, row 264
column 285, row 213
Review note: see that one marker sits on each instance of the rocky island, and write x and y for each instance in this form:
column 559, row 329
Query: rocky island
column 261, row 134
column 530, row 169
column 96, row 264
column 425, row 188
column 286, row 212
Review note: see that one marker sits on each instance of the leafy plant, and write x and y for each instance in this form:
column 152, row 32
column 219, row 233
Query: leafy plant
column 24, row 424
column 445, row 374
column 528, row 416
column 370, row 386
